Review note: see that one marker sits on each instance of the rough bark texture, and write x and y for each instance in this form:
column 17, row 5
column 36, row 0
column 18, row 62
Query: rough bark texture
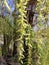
column 31, row 11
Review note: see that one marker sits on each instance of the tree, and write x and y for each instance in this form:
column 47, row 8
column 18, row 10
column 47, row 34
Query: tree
column 27, row 45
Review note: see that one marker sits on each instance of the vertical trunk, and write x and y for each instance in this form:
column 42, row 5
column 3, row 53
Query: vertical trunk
column 31, row 11
column 30, row 14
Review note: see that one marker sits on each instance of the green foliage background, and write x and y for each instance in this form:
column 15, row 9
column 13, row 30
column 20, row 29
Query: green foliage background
column 31, row 48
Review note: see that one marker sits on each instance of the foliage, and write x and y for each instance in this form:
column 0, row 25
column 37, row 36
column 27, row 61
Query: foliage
column 28, row 47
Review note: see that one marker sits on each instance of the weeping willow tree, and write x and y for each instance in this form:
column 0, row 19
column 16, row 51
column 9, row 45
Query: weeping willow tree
column 42, row 33
column 23, row 35
column 5, row 30
column 20, row 33
column 43, row 45
column 27, row 45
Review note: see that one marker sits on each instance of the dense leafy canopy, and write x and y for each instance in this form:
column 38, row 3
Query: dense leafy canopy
column 29, row 45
